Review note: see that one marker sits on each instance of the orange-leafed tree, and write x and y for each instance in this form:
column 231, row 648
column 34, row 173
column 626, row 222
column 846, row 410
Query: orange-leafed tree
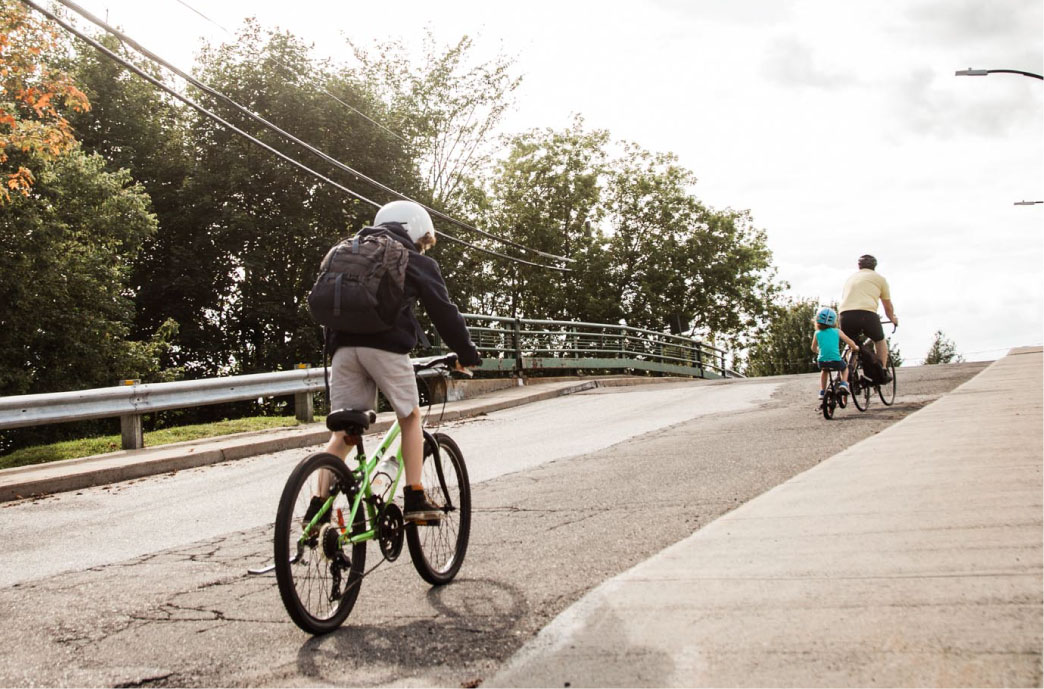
column 33, row 97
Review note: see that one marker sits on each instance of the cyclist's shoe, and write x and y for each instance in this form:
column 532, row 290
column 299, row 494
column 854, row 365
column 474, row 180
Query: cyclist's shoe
column 313, row 509
column 843, row 388
column 886, row 378
column 822, row 393
column 418, row 508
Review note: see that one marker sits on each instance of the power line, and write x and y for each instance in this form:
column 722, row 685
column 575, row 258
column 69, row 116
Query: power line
column 290, row 137
column 207, row 113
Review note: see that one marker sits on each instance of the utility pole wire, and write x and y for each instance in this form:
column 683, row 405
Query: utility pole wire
column 206, row 113
column 290, row 137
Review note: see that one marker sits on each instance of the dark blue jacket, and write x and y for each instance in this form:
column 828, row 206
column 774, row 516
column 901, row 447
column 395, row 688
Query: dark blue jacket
column 424, row 282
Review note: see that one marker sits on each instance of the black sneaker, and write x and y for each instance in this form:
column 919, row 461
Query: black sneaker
column 313, row 509
column 418, row 508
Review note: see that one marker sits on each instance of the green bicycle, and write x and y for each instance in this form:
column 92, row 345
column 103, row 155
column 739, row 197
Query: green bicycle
column 328, row 512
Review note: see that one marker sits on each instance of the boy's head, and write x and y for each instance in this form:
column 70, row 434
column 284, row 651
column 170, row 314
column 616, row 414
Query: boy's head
column 413, row 218
column 826, row 318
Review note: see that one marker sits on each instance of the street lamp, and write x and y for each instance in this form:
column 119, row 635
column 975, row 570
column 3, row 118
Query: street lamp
column 1027, row 203
column 984, row 72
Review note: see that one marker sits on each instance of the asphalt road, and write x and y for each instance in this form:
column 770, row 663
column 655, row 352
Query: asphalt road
column 145, row 583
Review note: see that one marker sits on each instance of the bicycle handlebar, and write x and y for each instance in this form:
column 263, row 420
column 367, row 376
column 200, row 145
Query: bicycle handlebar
column 439, row 365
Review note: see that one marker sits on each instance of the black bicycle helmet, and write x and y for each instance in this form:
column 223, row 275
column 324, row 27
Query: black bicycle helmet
column 867, row 261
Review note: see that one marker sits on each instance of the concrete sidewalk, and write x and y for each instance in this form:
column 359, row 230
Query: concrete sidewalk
column 74, row 474
column 911, row 559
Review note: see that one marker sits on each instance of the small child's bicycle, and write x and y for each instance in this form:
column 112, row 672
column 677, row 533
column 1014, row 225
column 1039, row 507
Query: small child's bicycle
column 832, row 395
column 328, row 512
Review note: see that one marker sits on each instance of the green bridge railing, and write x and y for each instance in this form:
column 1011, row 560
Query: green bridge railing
column 520, row 344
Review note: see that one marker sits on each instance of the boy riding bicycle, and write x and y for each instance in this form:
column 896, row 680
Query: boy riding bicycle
column 362, row 363
column 826, row 342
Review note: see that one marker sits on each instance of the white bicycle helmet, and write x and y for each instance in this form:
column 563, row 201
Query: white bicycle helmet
column 411, row 215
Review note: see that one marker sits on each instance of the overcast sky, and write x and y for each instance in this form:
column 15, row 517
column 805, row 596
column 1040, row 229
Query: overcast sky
column 839, row 125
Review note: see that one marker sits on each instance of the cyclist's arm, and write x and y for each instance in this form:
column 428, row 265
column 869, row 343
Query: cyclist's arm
column 442, row 311
column 848, row 340
column 889, row 311
column 815, row 344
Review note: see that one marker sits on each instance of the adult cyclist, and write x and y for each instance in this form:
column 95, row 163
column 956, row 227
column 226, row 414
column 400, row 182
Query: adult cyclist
column 859, row 318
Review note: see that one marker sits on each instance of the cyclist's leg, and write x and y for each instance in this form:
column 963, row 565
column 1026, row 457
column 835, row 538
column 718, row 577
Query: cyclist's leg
column 872, row 326
column 350, row 388
column 881, row 348
column 396, row 379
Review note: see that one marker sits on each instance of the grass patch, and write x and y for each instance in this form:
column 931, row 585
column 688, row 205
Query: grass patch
column 85, row 447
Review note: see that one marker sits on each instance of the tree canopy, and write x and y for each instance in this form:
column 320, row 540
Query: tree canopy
column 218, row 241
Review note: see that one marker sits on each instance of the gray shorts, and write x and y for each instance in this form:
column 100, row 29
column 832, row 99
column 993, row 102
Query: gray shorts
column 357, row 372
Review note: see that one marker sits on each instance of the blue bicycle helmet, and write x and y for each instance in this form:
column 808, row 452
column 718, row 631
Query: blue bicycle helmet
column 827, row 316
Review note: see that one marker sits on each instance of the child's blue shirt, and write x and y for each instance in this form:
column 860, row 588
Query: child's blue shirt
column 829, row 342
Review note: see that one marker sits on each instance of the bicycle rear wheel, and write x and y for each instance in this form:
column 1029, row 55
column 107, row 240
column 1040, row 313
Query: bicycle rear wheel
column 318, row 581
column 887, row 390
column 438, row 550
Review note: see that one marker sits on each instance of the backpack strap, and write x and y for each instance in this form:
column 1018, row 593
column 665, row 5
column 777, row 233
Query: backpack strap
column 337, row 294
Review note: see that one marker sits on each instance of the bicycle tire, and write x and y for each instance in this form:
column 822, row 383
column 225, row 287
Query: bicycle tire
column 828, row 404
column 859, row 387
column 438, row 550
column 307, row 586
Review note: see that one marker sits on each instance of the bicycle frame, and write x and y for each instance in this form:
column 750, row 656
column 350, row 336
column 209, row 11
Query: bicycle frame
column 364, row 474
column 363, row 496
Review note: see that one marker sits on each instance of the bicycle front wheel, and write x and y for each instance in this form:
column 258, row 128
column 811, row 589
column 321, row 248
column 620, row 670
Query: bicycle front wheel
column 438, row 550
column 887, row 390
column 318, row 579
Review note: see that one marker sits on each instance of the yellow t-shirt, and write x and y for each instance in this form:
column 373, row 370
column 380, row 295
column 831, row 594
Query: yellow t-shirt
column 863, row 290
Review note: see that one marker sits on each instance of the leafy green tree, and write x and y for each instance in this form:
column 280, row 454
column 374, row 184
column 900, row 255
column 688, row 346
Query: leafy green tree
column 65, row 253
column 448, row 107
column 179, row 271
column 894, row 354
column 783, row 346
column 674, row 256
column 942, row 351
column 546, row 195
column 272, row 223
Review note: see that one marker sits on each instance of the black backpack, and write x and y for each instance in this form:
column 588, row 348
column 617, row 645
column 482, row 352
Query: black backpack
column 360, row 288
column 872, row 369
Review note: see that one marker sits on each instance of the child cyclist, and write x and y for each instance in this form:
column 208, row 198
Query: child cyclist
column 363, row 363
column 826, row 342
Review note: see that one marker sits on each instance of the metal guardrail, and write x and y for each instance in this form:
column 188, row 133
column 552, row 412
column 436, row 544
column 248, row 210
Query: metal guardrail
column 507, row 344
column 131, row 401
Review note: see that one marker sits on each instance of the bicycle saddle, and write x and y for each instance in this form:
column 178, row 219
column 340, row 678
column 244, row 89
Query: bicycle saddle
column 350, row 421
